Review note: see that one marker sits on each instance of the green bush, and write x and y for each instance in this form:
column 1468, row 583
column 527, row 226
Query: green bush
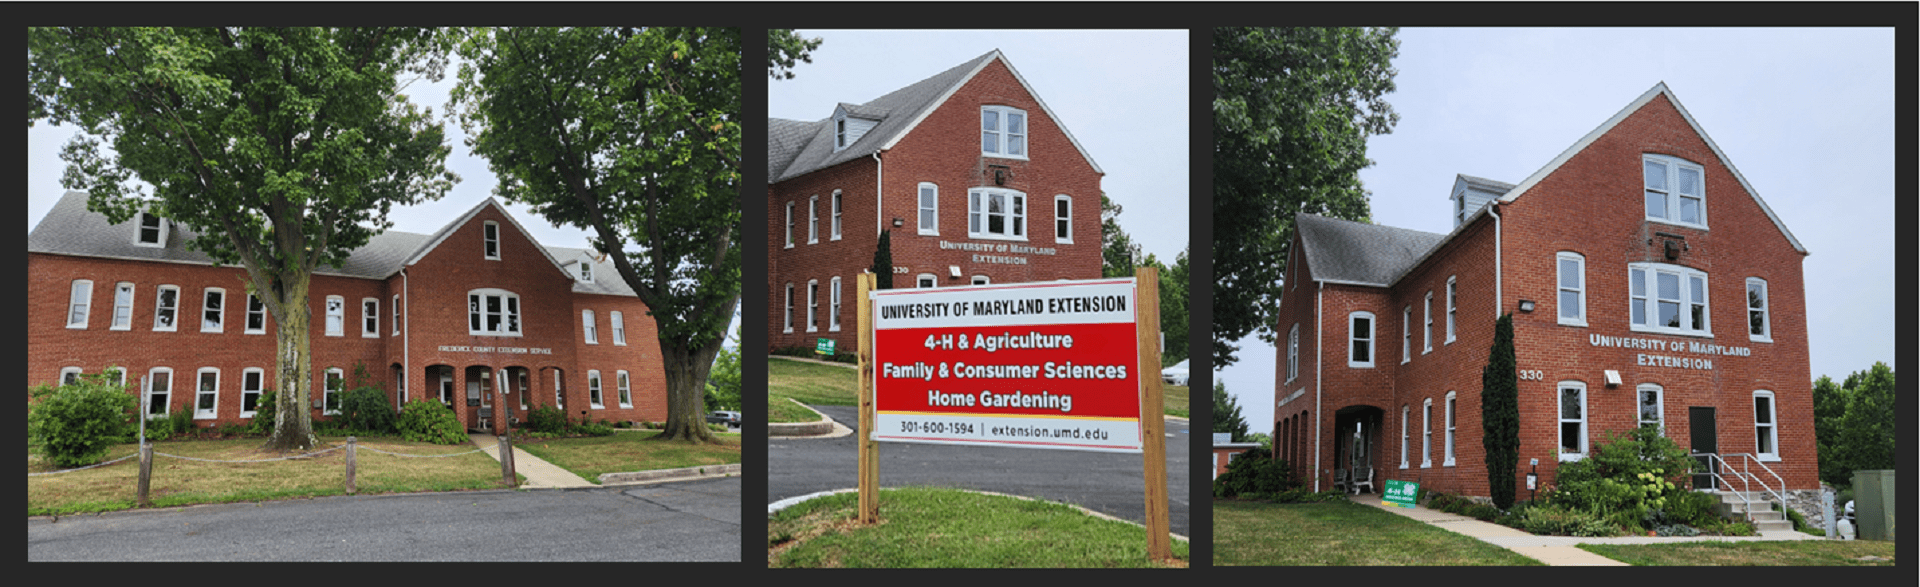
column 593, row 429
column 75, row 425
column 1626, row 476
column 263, row 415
column 1560, row 520
column 431, row 421
column 366, row 410
column 546, row 419
column 1255, row 471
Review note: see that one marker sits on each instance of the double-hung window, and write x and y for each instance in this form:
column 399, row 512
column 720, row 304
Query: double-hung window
column 1406, row 334
column 996, row 213
column 1426, row 332
column 1426, row 433
column 252, row 380
column 159, row 388
column 813, row 305
column 334, row 386
column 257, row 315
column 929, row 208
column 838, row 204
column 619, row 328
column 789, row 225
column 1406, row 413
column 152, row 231
column 586, row 325
column 1572, row 269
column 1451, row 396
column 213, row 310
column 626, row 390
column 336, row 316
column 1453, row 289
column 1675, row 191
column 786, row 318
column 396, row 315
column 490, row 232
column 833, row 305
column 1293, row 353
column 593, row 390
column 813, row 220
column 1063, row 219
column 1766, row 439
column 1573, row 420
column 1759, row 327
column 1668, row 299
column 78, row 303
column 122, row 306
column 1360, row 340
column 493, row 312
column 166, row 309
column 1652, row 413
column 1003, row 132
column 370, row 318
column 206, row 403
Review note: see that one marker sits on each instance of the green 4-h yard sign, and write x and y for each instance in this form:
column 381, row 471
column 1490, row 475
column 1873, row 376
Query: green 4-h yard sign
column 823, row 347
column 1400, row 493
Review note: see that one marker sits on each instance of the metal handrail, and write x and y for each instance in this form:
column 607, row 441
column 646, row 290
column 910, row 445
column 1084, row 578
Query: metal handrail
column 1747, row 477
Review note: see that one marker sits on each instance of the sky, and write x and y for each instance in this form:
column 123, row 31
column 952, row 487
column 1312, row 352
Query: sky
column 1106, row 87
column 1806, row 115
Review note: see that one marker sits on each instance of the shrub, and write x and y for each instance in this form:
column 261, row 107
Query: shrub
column 1628, row 475
column 75, row 425
column 431, row 421
column 365, row 410
column 546, row 419
column 593, row 429
column 263, row 415
column 1255, row 471
column 1483, row 512
column 1560, row 520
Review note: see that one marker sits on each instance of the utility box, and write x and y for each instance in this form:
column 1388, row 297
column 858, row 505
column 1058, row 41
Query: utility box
column 1874, row 498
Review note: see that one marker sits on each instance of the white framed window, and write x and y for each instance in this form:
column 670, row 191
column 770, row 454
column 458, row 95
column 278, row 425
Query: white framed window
column 559, row 392
column 626, row 390
column 789, row 225
column 213, row 310
column 1406, row 413
column 1451, row 399
column 166, row 309
column 586, row 270
column 1766, row 436
column 925, row 281
column 1426, row 433
column 493, row 312
column 1675, row 191
column 1003, row 132
column 256, row 315
column 1063, row 219
column 151, row 231
column 122, row 306
column 490, row 232
column 833, row 305
column 159, row 390
column 593, row 390
column 252, row 380
column 813, row 220
column 786, row 319
column 839, row 132
column 1360, row 340
column 370, row 317
column 520, row 378
column 1426, row 332
column 1572, row 270
column 1651, row 410
column 1668, row 299
column 1406, row 335
column 1293, row 353
column 929, row 202
column 619, row 328
column 334, row 385
column 981, row 280
column 396, row 315
column 586, row 325
column 79, row 303
column 1573, row 420
column 336, row 316
column 838, row 207
column 813, row 305
column 996, row 213
column 69, row 375
column 1453, row 291
column 1759, row 326
column 206, row 403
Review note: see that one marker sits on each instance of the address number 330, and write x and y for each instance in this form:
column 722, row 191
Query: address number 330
column 1532, row 375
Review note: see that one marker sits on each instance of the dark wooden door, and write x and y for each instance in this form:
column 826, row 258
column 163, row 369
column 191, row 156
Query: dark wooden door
column 1700, row 427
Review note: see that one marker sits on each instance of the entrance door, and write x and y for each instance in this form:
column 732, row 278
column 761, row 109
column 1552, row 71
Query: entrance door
column 1700, row 427
column 473, row 404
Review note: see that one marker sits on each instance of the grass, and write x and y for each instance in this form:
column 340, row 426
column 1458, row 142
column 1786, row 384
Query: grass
column 630, row 451
column 950, row 528
column 178, row 482
column 829, row 385
column 1340, row 533
column 1749, row 553
column 1173, row 400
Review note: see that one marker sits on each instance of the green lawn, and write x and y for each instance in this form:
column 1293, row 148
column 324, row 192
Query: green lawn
column 1340, row 533
column 832, row 385
column 625, row 452
column 950, row 528
column 1801, row 553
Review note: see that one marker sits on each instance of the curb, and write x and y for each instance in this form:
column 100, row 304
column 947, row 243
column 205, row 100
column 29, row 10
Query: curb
column 826, row 427
column 660, row 475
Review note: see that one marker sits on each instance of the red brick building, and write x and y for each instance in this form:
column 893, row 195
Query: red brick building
column 1649, row 285
column 445, row 316
column 975, row 178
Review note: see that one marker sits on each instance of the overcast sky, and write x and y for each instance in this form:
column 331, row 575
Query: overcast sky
column 1806, row 115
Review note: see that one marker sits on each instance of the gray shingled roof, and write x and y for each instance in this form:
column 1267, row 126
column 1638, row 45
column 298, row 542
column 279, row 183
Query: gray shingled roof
column 796, row 148
column 1365, row 254
column 1484, row 184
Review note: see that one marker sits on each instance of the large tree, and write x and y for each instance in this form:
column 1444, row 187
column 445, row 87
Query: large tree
column 1855, row 424
column 1226, row 413
column 1118, row 252
column 1173, row 309
column 634, row 135
column 284, row 148
column 784, row 49
column 1292, row 111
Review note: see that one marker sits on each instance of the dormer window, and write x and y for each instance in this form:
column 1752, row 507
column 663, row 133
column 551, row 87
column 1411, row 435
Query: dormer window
column 586, row 270
column 840, row 132
column 1003, row 132
column 151, row 231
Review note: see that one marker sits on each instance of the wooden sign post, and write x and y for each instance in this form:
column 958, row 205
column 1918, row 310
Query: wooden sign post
column 1153, row 443
column 869, row 448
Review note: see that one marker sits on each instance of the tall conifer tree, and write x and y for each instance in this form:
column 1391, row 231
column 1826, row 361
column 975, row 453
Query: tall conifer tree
column 1500, row 414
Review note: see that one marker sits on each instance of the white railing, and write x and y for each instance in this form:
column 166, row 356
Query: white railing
column 1746, row 476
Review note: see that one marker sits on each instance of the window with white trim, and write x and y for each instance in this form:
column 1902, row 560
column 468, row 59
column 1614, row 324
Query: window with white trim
column 1293, row 353
column 1572, row 287
column 151, row 231
column 1451, row 398
column 626, row 389
column 839, row 132
column 1675, row 190
column 929, row 222
column 1573, row 420
column 1426, row 433
column 490, row 232
column 1406, row 413
column 559, row 391
column 1360, row 340
column 1003, row 132
column 256, row 315
column 206, row 403
column 786, row 319
column 396, row 315
column 1426, row 332
column 334, row 385
column 69, row 375
column 159, row 389
column 586, row 325
column 1766, row 436
column 1668, row 299
column 833, row 305
column 1651, row 412
column 585, row 266
column 1406, row 335
column 493, row 312
column 813, row 219
column 166, row 309
column 1063, row 219
column 213, row 310
column 813, row 305
column 79, row 302
column 619, row 328
column 593, row 390
column 996, row 213
column 925, row 281
column 789, row 225
column 1759, row 327
column 336, row 316
column 839, row 208
column 252, row 380
column 1453, row 291
column 369, row 317
column 122, row 306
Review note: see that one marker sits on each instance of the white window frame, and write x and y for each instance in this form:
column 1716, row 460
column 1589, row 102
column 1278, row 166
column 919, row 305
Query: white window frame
column 160, row 308
column 336, row 315
column 1406, row 413
column 927, row 209
column 259, row 377
column 200, row 391
column 1659, row 405
column 1766, row 317
column 559, row 392
column 1770, row 429
column 1426, row 332
column 1013, row 215
column 833, row 305
column 813, row 219
column 789, row 225
column 619, row 328
column 1353, row 338
column 837, row 206
column 1453, row 292
column 926, row 281
column 160, row 230
column 69, row 376
column 490, row 237
column 1426, row 434
column 981, row 280
column 593, row 390
column 1671, row 195
column 159, row 374
column 1559, row 430
column 1452, row 425
column 839, row 132
column 208, row 309
column 999, row 141
column 79, row 304
column 1561, row 287
column 585, row 270
column 122, row 318
column 1649, row 298
column 786, row 320
column 1063, row 221
column 587, row 326
column 477, row 314
column 624, row 384
column 370, row 317
column 1293, row 353
column 1406, row 335
column 396, row 314
column 813, row 305
column 248, row 327
column 333, row 383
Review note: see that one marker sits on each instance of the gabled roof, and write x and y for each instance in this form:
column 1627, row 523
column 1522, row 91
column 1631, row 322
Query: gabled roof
column 441, row 235
column 1483, row 184
column 1659, row 89
column 1344, row 251
column 797, row 148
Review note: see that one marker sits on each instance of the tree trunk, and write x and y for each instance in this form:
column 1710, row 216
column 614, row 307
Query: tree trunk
column 687, row 371
column 293, row 368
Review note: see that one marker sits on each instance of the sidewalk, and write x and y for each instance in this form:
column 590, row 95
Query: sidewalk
column 1553, row 550
column 540, row 474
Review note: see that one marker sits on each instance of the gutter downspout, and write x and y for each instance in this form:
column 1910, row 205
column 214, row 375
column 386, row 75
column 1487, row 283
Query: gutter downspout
column 406, row 330
column 1319, row 367
column 879, row 174
column 1499, row 305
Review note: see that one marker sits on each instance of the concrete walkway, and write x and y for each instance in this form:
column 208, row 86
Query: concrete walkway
column 540, row 474
column 1553, row 550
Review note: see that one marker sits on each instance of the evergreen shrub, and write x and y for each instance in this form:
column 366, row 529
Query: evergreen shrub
column 431, row 421
column 75, row 425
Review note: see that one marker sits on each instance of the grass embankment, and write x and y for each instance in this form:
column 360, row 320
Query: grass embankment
column 630, row 451
column 950, row 528
column 1340, row 533
column 1749, row 553
column 178, row 482
column 831, row 385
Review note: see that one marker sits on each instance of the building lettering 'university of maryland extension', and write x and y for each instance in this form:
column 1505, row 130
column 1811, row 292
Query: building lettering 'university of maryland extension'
column 972, row 174
column 1649, row 285
column 448, row 315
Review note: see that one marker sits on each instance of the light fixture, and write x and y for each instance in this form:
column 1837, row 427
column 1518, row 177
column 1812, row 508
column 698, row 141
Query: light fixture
column 1526, row 305
column 1612, row 377
column 897, row 222
column 954, row 271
